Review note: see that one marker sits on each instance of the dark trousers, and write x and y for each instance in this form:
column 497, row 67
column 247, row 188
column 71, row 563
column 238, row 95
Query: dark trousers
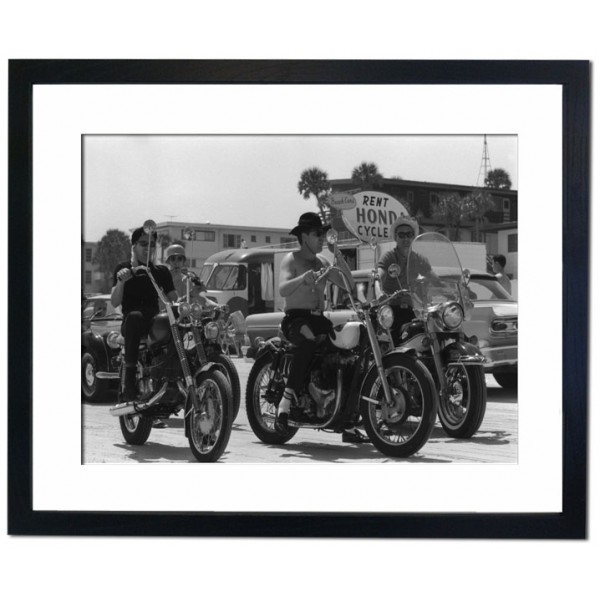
column 135, row 325
column 292, row 326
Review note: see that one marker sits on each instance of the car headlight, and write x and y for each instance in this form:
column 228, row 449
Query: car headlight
column 211, row 331
column 385, row 316
column 112, row 340
column 452, row 316
column 196, row 310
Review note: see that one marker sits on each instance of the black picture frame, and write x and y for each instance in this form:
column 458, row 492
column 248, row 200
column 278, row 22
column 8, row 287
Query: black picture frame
column 570, row 523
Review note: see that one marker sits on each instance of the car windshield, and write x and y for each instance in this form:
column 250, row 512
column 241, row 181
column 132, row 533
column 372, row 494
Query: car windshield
column 487, row 289
column 227, row 277
column 206, row 270
column 99, row 308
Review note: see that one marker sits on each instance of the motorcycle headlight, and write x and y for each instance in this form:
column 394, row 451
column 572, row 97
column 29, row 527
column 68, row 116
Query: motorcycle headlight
column 385, row 316
column 211, row 331
column 184, row 310
column 452, row 316
column 112, row 339
column 196, row 310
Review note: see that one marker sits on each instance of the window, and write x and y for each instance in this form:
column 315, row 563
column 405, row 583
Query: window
column 513, row 242
column 227, row 277
column 231, row 240
column 88, row 255
column 410, row 197
column 506, row 204
column 253, row 238
column 268, row 239
column 88, row 277
column 204, row 235
column 434, row 199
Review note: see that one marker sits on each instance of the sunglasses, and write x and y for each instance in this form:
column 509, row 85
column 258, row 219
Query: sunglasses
column 405, row 235
column 176, row 258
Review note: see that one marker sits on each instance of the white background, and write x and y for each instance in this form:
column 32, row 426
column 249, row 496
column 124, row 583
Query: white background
column 98, row 567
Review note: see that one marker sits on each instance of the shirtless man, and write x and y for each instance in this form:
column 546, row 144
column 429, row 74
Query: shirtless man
column 304, row 303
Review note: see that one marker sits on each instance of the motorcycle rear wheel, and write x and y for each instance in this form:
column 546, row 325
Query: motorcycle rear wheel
column 411, row 420
column 210, row 427
column 462, row 410
column 136, row 428
column 234, row 379
column 262, row 413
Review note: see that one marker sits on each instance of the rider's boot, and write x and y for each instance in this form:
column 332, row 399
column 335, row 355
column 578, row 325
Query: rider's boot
column 283, row 411
column 129, row 391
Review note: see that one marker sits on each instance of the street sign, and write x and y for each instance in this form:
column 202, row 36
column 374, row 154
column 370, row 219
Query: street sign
column 373, row 215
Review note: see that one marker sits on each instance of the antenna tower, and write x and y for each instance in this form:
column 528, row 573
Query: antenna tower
column 486, row 164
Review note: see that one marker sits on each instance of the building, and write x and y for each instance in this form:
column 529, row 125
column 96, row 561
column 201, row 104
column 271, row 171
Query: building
column 498, row 230
column 200, row 241
column 92, row 280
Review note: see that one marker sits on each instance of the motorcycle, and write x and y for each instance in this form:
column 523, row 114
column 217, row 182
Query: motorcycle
column 170, row 378
column 435, row 337
column 206, row 329
column 350, row 383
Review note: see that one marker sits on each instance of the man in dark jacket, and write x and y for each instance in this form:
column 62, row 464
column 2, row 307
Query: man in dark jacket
column 135, row 293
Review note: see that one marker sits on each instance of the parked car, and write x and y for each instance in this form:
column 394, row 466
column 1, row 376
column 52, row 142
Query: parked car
column 493, row 323
column 98, row 318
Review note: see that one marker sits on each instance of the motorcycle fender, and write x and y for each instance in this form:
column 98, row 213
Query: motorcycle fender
column 414, row 344
column 269, row 347
column 464, row 349
column 94, row 343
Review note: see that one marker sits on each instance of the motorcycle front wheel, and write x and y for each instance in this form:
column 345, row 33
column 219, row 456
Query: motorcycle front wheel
column 462, row 408
column 262, row 413
column 136, row 428
column 404, row 428
column 209, row 427
column 233, row 376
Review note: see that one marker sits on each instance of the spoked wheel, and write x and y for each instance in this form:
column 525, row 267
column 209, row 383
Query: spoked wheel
column 92, row 388
column 402, row 429
column 462, row 410
column 136, row 428
column 234, row 379
column 262, row 413
column 210, row 427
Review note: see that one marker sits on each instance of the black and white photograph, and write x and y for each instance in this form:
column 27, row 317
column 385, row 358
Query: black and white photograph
column 335, row 275
column 402, row 252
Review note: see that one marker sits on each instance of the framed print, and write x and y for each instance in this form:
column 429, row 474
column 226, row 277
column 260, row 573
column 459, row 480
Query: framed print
column 95, row 141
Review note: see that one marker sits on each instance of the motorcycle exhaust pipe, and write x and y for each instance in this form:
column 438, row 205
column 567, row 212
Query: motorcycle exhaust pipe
column 131, row 408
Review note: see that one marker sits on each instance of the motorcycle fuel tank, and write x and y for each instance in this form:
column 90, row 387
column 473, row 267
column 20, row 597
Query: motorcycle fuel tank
column 346, row 336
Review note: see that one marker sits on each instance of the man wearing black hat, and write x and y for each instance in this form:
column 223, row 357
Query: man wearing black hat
column 139, row 300
column 304, row 303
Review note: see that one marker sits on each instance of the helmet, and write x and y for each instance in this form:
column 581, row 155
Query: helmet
column 402, row 220
column 175, row 250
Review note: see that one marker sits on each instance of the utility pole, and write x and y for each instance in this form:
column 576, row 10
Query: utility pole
column 486, row 164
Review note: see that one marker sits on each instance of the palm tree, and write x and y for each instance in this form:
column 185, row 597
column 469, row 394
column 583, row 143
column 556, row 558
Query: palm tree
column 453, row 210
column 498, row 179
column 367, row 175
column 480, row 203
column 314, row 181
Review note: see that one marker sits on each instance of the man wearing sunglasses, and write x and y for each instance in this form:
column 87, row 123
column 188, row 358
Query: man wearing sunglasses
column 304, row 303
column 404, row 230
column 135, row 292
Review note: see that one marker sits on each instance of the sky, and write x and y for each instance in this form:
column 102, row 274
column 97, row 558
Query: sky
column 252, row 180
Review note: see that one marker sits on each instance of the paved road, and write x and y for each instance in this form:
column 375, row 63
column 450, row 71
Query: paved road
column 496, row 441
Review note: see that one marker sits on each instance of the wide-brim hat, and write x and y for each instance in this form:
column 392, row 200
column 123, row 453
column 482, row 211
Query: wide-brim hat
column 307, row 221
column 404, row 220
